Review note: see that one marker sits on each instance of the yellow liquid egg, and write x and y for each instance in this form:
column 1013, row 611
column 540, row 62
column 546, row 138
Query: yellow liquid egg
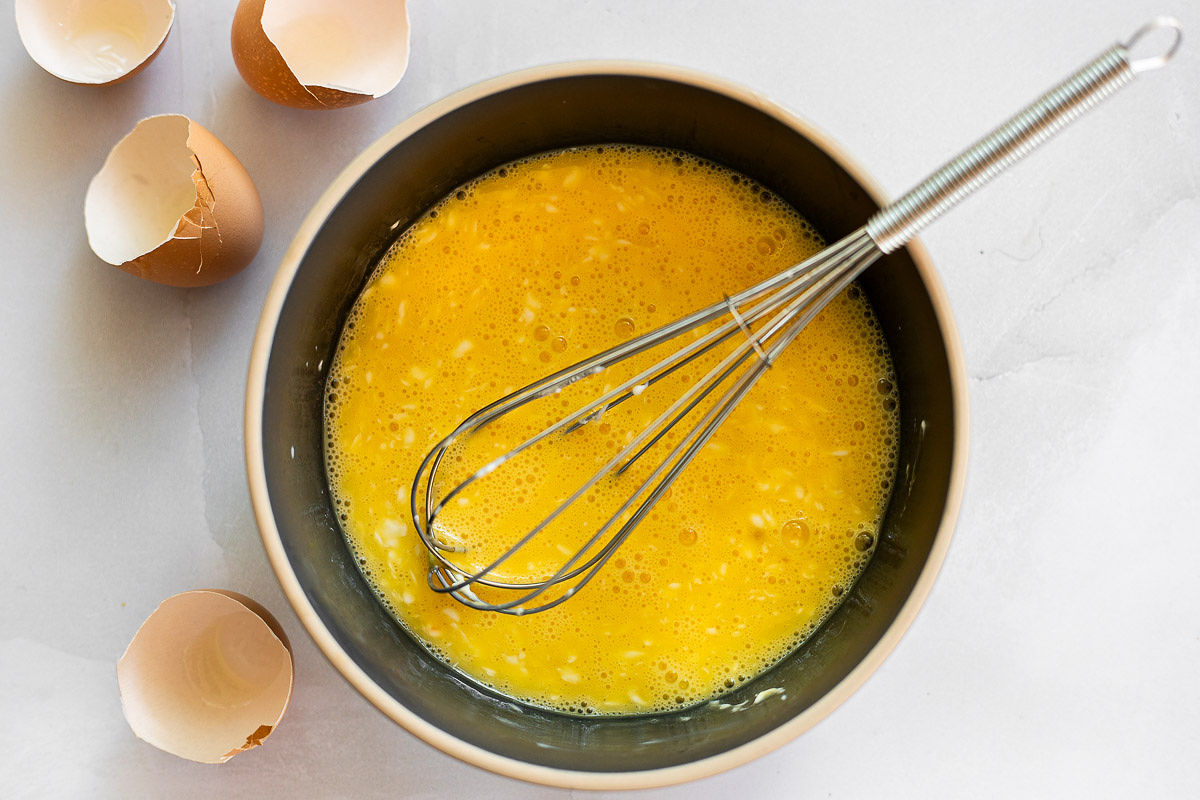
column 529, row 269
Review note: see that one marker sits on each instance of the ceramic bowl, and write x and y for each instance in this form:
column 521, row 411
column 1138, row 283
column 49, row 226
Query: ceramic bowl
column 364, row 211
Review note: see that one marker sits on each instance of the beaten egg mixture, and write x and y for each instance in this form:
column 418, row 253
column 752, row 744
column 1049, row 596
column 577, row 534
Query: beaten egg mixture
column 533, row 267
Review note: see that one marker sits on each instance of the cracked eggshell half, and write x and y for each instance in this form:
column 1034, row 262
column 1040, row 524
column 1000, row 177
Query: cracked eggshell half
column 321, row 53
column 173, row 205
column 207, row 676
column 94, row 43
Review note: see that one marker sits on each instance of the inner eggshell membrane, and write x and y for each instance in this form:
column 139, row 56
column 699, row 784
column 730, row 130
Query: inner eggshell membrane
column 359, row 47
column 206, row 676
column 94, row 42
column 146, row 186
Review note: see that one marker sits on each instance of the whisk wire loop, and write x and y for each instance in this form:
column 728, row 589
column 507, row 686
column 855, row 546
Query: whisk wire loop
column 792, row 299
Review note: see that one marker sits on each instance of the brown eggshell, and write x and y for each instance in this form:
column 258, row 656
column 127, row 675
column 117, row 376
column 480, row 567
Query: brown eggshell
column 94, row 44
column 173, row 205
column 208, row 675
column 342, row 54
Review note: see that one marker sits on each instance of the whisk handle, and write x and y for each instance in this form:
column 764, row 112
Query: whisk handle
column 892, row 227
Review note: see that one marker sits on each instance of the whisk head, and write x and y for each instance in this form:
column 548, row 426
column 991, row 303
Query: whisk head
column 535, row 568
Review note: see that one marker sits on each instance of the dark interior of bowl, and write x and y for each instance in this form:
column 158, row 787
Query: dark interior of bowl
column 531, row 118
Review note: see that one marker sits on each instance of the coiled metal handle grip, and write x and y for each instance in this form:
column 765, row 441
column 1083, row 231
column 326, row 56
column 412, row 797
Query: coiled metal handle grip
column 892, row 227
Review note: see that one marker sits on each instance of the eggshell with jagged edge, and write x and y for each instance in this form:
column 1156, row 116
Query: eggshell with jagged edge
column 173, row 205
column 207, row 676
column 321, row 54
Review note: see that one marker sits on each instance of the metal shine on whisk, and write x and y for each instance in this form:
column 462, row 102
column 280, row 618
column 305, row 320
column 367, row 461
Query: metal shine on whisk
column 754, row 326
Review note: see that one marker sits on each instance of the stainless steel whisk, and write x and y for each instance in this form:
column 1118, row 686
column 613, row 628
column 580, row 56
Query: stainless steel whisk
column 781, row 306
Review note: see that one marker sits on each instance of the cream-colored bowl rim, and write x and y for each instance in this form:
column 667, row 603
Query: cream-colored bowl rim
column 256, row 385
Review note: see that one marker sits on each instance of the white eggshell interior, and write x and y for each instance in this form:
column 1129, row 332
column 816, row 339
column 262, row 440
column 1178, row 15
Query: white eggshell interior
column 134, row 203
column 93, row 41
column 203, row 677
column 359, row 47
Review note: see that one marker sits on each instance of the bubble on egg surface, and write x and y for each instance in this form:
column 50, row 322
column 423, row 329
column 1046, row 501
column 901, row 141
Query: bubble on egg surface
column 94, row 43
column 321, row 54
column 173, row 205
column 208, row 675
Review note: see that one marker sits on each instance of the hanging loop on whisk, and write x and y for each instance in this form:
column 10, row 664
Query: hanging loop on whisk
column 1148, row 63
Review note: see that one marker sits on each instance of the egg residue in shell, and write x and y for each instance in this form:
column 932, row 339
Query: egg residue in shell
column 208, row 675
column 321, row 53
column 173, row 205
column 94, row 43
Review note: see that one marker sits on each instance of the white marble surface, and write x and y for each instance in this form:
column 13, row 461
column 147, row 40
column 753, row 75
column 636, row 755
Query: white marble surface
column 1058, row 654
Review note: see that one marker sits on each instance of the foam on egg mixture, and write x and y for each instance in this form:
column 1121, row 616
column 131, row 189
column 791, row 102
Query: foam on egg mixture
column 541, row 263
